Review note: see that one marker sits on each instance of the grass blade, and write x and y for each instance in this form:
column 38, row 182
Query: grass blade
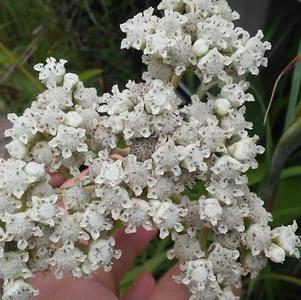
column 296, row 84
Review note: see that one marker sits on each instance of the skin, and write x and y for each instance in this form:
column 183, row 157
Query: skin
column 104, row 285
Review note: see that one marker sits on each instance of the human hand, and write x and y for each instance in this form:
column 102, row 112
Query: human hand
column 104, row 286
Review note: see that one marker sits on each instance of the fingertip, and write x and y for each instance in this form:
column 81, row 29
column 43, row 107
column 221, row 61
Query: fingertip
column 167, row 288
column 131, row 245
column 56, row 179
column 141, row 288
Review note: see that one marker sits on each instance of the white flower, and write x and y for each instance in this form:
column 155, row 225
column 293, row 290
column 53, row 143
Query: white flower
column 116, row 103
column 68, row 140
column 181, row 55
column 185, row 248
column 192, row 157
column 67, row 259
column 153, row 148
column 227, row 168
column 86, row 97
column 163, row 187
column 172, row 24
column 250, row 55
column 156, row 69
column 165, row 159
column 136, row 216
column 137, row 123
column 166, row 216
column 76, row 198
column 18, row 290
column 287, row 239
column 110, row 173
column 235, row 93
column 13, row 177
column 52, row 72
column 104, row 138
column 212, row 65
column 138, row 28
column 94, row 222
column 20, row 228
column 138, row 174
column 101, row 252
column 218, row 32
column 198, row 273
column 55, row 97
column 45, row 210
column 233, row 218
column 258, row 238
column 68, row 231
column 24, row 127
column 49, row 119
column 13, row 265
column 8, row 203
column 113, row 200
column 225, row 266
column 246, row 150
column 210, row 210
column 160, row 98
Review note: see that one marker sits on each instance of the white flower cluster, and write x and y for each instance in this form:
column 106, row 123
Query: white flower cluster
column 141, row 149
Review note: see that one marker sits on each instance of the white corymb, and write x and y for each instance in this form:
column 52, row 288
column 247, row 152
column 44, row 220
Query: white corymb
column 141, row 149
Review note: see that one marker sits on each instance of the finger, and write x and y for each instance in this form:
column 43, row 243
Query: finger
column 141, row 288
column 69, row 288
column 56, row 180
column 132, row 245
column 82, row 290
column 70, row 182
column 167, row 288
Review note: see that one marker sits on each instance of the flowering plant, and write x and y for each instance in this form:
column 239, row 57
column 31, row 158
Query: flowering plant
column 141, row 148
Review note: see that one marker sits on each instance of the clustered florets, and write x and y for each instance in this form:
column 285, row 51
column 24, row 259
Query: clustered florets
column 141, row 150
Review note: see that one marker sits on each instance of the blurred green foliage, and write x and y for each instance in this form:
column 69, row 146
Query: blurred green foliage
column 86, row 33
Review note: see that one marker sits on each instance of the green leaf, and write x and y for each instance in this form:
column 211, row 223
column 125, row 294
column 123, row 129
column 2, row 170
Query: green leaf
column 291, row 172
column 287, row 205
column 294, row 94
column 256, row 176
column 281, row 277
column 89, row 74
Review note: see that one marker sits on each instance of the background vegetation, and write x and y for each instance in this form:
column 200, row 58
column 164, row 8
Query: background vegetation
column 86, row 33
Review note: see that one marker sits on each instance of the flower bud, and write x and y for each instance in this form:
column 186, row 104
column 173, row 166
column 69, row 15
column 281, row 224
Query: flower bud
column 200, row 47
column 35, row 170
column 73, row 119
column 16, row 149
column 70, row 81
column 240, row 150
column 222, row 106
column 275, row 253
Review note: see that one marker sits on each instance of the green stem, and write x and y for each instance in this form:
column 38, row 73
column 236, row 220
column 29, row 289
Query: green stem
column 176, row 80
